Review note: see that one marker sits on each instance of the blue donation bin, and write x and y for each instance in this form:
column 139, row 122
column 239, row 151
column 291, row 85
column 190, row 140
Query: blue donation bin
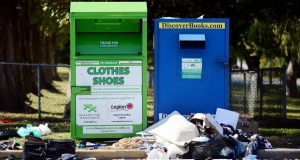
column 191, row 66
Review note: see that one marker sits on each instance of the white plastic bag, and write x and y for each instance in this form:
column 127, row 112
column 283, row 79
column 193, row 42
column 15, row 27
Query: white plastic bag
column 44, row 129
column 157, row 154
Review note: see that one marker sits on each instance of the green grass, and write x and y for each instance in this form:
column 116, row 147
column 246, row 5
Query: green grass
column 52, row 108
column 279, row 133
column 293, row 121
column 52, row 103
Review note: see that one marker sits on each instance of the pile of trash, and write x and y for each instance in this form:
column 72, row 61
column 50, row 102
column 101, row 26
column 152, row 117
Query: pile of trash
column 39, row 131
column 127, row 143
column 200, row 136
column 36, row 131
column 10, row 145
column 83, row 144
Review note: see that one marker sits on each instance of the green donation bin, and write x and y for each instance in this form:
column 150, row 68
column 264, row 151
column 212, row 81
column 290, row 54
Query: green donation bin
column 108, row 57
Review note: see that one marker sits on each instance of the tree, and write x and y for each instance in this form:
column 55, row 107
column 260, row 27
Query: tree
column 30, row 32
column 9, row 80
column 289, row 37
column 284, row 18
column 182, row 9
column 269, row 29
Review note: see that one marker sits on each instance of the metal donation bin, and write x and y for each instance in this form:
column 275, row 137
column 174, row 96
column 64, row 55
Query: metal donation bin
column 191, row 66
column 108, row 69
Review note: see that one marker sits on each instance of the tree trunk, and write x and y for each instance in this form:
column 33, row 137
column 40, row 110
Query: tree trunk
column 12, row 97
column 67, row 111
column 22, row 38
column 291, row 78
column 252, row 61
column 48, row 74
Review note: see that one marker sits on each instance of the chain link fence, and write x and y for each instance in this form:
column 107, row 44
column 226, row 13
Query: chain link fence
column 259, row 94
column 35, row 89
column 44, row 89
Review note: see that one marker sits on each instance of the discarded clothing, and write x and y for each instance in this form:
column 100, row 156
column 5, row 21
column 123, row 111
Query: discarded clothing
column 256, row 143
column 227, row 129
column 68, row 156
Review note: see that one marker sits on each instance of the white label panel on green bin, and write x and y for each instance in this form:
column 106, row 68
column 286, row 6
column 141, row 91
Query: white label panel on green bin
column 122, row 73
column 107, row 129
column 116, row 90
column 116, row 93
column 108, row 109
column 191, row 68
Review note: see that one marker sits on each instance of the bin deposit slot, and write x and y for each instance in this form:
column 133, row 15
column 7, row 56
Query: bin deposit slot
column 108, row 25
column 108, row 22
column 192, row 41
column 85, row 89
column 81, row 90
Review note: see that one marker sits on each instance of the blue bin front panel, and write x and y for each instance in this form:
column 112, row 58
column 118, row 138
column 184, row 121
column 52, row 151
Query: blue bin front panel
column 202, row 94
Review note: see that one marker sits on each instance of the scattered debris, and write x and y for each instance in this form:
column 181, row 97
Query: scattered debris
column 127, row 143
column 6, row 121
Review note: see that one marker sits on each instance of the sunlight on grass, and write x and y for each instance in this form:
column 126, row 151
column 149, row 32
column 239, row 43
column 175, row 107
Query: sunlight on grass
column 279, row 133
column 150, row 103
column 51, row 102
column 293, row 117
column 52, row 107
column 293, row 108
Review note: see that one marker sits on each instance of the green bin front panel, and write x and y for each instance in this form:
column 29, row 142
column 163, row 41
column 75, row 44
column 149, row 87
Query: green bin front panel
column 108, row 54
column 108, row 25
column 109, row 43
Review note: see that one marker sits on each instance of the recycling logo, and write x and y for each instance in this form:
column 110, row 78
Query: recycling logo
column 90, row 108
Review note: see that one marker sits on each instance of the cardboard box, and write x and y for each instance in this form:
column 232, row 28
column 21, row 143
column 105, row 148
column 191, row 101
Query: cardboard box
column 248, row 127
column 227, row 117
column 214, row 123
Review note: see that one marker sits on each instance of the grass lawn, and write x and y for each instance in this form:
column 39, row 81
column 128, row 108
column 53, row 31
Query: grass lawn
column 53, row 107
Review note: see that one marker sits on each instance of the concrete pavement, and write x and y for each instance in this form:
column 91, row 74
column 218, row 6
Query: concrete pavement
column 101, row 154
column 279, row 153
column 106, row 154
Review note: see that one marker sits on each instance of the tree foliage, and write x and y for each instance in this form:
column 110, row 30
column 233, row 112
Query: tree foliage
column 268, row 29
column 31, row 31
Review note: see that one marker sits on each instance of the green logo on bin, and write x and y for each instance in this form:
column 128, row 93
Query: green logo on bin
column 90, row 107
